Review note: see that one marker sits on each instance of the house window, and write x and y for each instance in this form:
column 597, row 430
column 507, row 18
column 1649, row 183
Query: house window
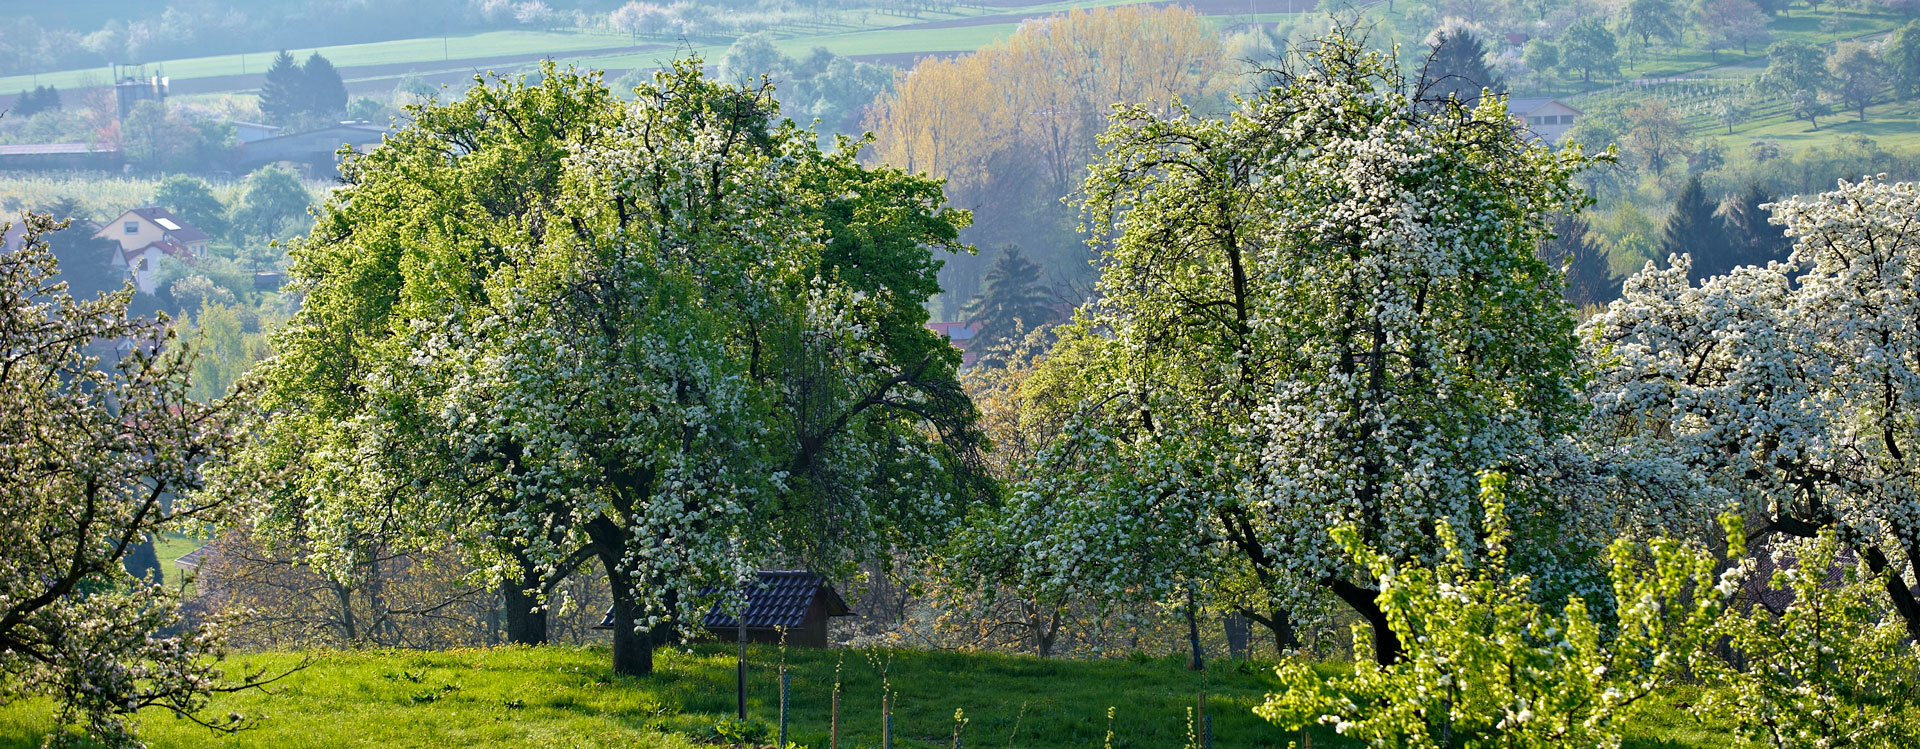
column 131, row 227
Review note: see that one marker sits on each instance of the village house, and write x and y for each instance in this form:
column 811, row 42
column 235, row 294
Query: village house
column 1547, row 119
column 145, row 236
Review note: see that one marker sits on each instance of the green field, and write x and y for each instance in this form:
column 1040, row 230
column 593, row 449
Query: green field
column 556, row 696
column 843, row 32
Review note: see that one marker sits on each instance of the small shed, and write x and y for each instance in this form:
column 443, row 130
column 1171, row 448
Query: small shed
column 796, row 602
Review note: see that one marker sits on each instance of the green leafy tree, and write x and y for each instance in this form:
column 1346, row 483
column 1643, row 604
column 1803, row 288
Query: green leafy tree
column 283, row 94
column 1859, row 75
column 1590, row 48
column 751, row 57
column 1541, row 56
column 1651, row 19
column 1011, row 300
column 673, row 346
column 1280, row 291
column 1457, row 66
column 273, row 205
column 93, row 460
column 190, row 198
column 1902, row 50
column 323, row 94
column 1798, row 72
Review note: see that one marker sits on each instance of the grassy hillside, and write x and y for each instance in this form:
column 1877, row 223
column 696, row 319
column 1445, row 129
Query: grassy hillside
column 567, row 697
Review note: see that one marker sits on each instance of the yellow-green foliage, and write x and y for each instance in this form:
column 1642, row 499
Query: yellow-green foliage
column 1485, row 665
column 1834, row 670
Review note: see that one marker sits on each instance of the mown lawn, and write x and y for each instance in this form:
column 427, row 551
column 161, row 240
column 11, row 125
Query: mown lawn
column 560, row 696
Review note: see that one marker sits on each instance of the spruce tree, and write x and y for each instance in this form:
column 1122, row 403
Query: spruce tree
column 1590, row 279
column 1751, row 239
column 1457, row 66
column 283, row 96
column 1010, row 299
column 1692, row 229
column 326, row 94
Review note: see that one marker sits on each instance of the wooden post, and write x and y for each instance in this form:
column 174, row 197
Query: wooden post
column 740, row 670
column 1200, row 716
column 886, row 721
column 785, row 682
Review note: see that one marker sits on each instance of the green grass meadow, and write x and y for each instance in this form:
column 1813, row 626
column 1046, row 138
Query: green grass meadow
column 560, row 696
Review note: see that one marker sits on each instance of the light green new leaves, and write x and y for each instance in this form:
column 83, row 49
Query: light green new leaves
column 1485, row 665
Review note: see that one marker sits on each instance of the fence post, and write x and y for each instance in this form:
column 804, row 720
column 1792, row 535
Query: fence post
column 1200, row 716
column 786, row 680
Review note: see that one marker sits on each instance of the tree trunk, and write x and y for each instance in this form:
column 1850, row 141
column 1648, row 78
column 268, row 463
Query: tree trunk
column 1196, row 661
column 526, row 625
column 1236, row 631
column 1904, row 602
column 1386, row 644
column 1278, row 621
column 632, row 650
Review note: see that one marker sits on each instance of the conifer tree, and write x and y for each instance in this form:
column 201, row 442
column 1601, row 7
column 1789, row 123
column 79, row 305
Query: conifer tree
column 283, row 94
column 1010, row 298
column 324, row 92
column 1750, row 238
column 1457, row 66
column 1691, row 229
column 1590, row 278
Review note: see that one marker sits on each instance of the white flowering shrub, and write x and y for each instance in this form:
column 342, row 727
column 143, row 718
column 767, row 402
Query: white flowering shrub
column 1485, row 665
column 1324, row 309
column 100, row 447
column 1793, row 389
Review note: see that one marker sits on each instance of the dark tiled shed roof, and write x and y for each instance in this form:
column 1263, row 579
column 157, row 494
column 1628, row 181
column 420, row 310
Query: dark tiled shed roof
column 778, row 598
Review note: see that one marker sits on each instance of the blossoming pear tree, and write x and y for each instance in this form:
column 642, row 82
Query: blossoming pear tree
column 1793, row 388
column 1322, row 310
column 419, row 228
column 94, row 458
column 703, row 355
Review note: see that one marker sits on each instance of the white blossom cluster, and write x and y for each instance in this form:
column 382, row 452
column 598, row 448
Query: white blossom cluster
column 1794, row 388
